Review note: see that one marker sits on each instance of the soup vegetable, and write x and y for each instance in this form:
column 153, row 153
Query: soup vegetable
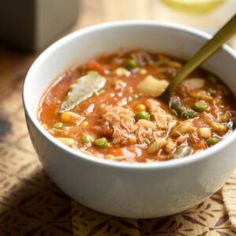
column 109, row 108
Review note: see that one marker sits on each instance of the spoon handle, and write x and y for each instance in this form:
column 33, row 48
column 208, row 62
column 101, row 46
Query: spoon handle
column 205, row 51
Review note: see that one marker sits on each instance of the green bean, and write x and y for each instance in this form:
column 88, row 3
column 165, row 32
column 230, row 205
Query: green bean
column 181, row 110
column 188, row 114
column 200, row 106
column 142, row 115
column 176, row 105
column 212, row 141
column 131, row 64
column 101, row 142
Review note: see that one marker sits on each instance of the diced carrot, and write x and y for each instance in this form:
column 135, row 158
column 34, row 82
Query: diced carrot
column 94, row 65
column 200, row 145
column 116, row 152
column 199, row 123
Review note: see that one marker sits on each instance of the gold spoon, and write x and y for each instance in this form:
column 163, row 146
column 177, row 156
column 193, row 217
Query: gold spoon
column 228, row 30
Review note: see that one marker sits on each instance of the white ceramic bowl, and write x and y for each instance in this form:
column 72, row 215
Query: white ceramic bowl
column 125, row 189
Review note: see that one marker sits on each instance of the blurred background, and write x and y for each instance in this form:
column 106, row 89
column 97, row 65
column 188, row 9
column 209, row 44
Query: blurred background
column 34, row 24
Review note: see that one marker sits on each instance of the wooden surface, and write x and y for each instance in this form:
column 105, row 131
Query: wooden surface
column 30, row 204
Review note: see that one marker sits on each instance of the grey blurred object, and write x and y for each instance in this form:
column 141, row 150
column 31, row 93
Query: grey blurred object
column 32, row 24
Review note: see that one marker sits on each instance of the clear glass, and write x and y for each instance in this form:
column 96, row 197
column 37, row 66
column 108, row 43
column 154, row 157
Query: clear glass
column 206, row 15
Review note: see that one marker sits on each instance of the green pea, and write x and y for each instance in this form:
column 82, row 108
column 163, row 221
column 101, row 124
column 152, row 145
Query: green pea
column 101, row 142
column 58, row 125
column 86, row 138
column 131, row 64
column 200, row 106
column 212, row 141
column 142, row 115
column 188, row 114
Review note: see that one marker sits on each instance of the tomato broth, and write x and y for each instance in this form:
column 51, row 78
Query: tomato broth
column 122, row 118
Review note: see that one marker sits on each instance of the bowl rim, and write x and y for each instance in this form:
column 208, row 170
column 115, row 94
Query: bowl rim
column 77, row 154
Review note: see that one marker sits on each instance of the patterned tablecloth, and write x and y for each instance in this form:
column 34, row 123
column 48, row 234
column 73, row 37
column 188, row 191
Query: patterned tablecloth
column 31, row 204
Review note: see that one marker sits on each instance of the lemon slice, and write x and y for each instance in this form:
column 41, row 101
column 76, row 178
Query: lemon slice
column 194, row 6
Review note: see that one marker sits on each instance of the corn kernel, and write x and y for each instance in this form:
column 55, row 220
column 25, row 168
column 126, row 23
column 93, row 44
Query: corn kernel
column 45, row 126
column 67, row 141
column 103, row 105
column 57, row 125
column 133, row 140
column 143, row 72
column 109, row 157
column 69, row 116
column 219, row 128
column 140, row 107
column 84, row 124
column 224, row 118
column 122, row 72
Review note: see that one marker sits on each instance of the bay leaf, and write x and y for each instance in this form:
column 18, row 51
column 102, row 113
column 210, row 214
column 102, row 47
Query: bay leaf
column 82, row 89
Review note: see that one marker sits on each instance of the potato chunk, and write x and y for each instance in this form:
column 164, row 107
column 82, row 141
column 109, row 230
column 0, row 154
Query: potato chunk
column 151, row 86
column 194, row 83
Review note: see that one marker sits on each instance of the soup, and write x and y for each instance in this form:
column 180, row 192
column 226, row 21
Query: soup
column 109, row 108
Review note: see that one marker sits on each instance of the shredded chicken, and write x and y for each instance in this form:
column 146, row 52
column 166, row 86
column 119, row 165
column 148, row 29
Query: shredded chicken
column 103, row 128
column 122, row 121
column 123, row 124
column 161, row 117
column 146, row 134
column 182, row 128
